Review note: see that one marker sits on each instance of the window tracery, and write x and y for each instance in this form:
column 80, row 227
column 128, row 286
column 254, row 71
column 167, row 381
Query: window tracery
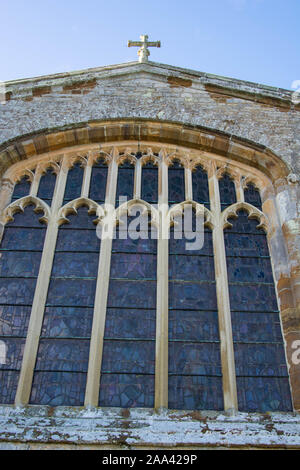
column 128, row 325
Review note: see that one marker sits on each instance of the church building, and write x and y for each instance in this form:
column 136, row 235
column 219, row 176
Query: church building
column 122, row 336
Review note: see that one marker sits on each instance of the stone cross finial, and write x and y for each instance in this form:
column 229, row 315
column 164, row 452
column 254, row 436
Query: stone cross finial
column 143, row 52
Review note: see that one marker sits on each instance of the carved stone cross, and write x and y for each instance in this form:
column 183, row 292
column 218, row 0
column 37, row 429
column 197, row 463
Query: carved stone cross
column 143, row 52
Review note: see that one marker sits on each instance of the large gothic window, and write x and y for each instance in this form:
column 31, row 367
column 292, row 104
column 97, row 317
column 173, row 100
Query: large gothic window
column 141, row 320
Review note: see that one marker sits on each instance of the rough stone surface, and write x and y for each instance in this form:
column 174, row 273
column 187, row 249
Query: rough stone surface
column 262, row 114
column 41, row 427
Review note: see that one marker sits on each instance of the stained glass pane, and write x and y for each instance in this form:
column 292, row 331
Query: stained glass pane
column 128, row 365
column 200, row 186
column 262, row 377
column 227, row 191
column 62, row 360
column 176, row 183
column 20, row 255
column 195, row 376
column 74, row 183
column 125, row 185
column 46, row 186
column 150, row 183
column 21, row 189
column 252, row 196
column 98, row 182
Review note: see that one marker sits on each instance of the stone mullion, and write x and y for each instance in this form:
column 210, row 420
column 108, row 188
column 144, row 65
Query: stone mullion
column 40, row 295
column 137, row 180
column 222, row 289
column 102, row 287
column 188, row 184
column 87, row 174
column 240, row 197
column 35, row 184
column 162, row 307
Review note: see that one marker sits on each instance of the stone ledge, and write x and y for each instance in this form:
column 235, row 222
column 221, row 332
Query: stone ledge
column 38, row 427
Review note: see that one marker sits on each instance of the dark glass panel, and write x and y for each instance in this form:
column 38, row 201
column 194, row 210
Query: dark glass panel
column 200, row 186
column 74, row 183
column 150, row 183
column 132, row 357
column 192, row 267
column 81, row 220
column 260, row 360
column 46, row 186
column 176, row 183
column 17, row 291
column 227, row 191
column 125, row 185
column 98, row 182
column 8, row 386
column 127, row 390
column 27, row 218
column 14, row 320
column 252, row 196
column 133, row 266
column 63, row 355
column 75, row 265
column 262, row 376
column 69, row 240
column 58, row 389
column 23, row 239
column 195, row 393
column 251, row 326
column 188, row 358
column 67, row 322
column 130, row 294
column 14, row 353
column 179, row 246
column 262, row 394
column 190, row 325
column 130, row 323
column 19, row 264
column 249, row 270
column 192, row 295
column 21, row 189
column 71, row 292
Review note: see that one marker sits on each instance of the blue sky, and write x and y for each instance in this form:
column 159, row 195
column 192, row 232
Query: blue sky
column 254, row 40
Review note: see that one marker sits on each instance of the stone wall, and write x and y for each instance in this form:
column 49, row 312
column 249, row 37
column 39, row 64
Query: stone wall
column 261, row 114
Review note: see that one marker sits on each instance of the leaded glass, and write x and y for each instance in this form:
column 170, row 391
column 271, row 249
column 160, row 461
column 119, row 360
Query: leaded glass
column 128, row 365
column 195, row 376
column 176, row 183
column 46, row 186
column 252, row 196
column 22, row 188
column 262, row 377
column 65, row 340
column 150, row 183
column 98, row 182
column 125, row 185
column 200, row 186
column 74, row 183
column 20, row 253
column 227, row 191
